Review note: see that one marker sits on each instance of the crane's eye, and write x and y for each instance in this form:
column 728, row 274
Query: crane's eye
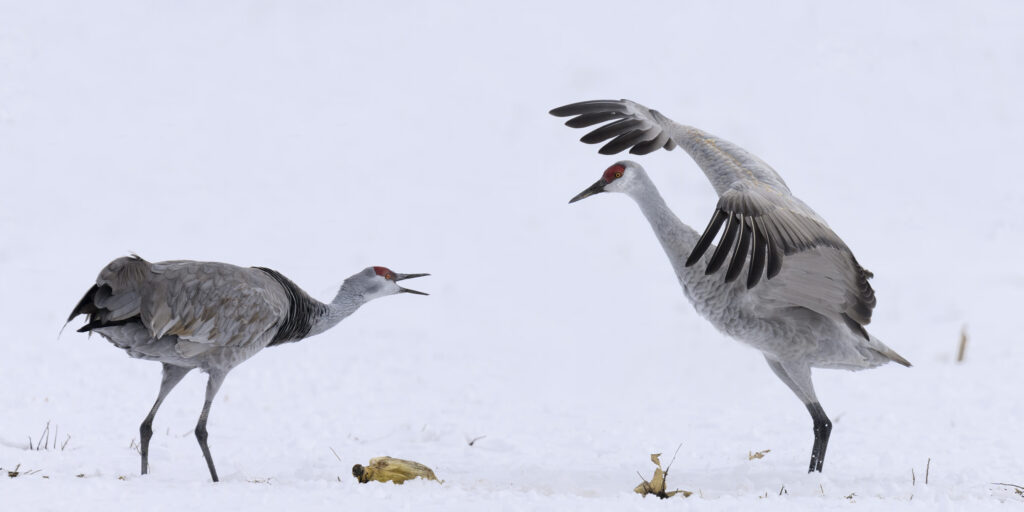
column 618, row 175
column 387, row 276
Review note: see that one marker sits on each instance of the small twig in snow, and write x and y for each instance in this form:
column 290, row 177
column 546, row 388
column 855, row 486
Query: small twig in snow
column 1021, row 487
column 673, row 459
column 335, row 454
column 475, row 439
column 1017, row 489
column 927, row 469
column 963, row 344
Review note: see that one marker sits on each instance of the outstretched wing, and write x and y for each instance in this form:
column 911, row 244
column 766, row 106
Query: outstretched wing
column 767, row 230
column 643, row 130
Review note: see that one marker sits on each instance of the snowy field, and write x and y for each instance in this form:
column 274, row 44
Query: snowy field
column 318, row 138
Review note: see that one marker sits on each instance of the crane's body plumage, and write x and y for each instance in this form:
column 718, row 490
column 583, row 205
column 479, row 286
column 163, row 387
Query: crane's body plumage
column 212, row 316
column 791, row 287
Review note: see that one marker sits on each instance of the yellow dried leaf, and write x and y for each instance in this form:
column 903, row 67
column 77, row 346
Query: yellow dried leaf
column 657, row 484
column 390, row 469
column 756, row 455
column 658, row 480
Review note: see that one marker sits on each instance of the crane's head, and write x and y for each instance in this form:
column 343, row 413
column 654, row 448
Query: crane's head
column 376, row 282
column 624, row 176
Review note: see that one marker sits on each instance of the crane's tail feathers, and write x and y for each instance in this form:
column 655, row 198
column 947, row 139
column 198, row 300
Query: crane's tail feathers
column 891, row 354
column 876, row 345
column 98, row 323
column 86, row 306
column 102, row 305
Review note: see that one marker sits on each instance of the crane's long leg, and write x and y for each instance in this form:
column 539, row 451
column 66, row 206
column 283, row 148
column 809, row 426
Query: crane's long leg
column 212, row 386
column 798, row 377
column 172, row 375
column 822, row 430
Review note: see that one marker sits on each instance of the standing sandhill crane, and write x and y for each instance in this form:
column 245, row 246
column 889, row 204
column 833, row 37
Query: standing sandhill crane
column 800, row 298
column 212, row 316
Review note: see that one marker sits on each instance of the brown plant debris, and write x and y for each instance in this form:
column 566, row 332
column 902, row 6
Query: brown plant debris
column 756, row 455
column 962, row 348
column 1018, row 489
column 14, row 473
column 656, row 485
column 390, row 469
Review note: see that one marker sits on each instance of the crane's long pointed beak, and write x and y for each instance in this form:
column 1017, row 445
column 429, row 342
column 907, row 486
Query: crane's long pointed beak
column 596, row 188
column 399, row 277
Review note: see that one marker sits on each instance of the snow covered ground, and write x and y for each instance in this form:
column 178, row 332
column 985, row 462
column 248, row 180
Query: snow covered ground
column 318, row 138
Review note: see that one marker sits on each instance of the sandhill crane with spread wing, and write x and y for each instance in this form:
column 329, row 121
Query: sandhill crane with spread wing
column 212, row 316
column 792, row 288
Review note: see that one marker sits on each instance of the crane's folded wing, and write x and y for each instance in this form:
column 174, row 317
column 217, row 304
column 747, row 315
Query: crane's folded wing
column 205, row 305
column 212, row 304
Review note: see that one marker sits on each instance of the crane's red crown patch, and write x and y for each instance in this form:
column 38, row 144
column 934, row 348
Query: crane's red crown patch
column 613, row 173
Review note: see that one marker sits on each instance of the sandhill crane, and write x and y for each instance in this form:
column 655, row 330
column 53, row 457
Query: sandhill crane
column 800, row 297
column 212, row 316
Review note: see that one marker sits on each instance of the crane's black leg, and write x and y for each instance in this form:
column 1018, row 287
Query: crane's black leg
column 822, row 429
column 172, row 375
column 798, row 377
column 212, row 386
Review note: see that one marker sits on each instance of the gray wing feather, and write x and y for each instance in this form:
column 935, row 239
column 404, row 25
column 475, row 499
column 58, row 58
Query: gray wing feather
column 212, row 303
column 820, row 272
column 826, row 280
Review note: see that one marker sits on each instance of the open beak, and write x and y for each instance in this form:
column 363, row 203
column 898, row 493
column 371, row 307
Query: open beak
column 399, row 277
column 596, row 188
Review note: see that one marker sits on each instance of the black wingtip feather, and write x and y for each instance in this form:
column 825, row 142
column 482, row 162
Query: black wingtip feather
column 622, row 142
column 585, row 120
column 611, row 130
column 586, row 107
column 774, row 259
column 649, row 146
column 718, row 258
column 704, row 242
column 757, row 255
column 739, row 256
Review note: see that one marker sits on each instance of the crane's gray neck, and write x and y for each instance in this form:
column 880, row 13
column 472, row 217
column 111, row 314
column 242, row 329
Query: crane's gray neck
column 308, row 316
column 346, row 302
column 677, row 238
